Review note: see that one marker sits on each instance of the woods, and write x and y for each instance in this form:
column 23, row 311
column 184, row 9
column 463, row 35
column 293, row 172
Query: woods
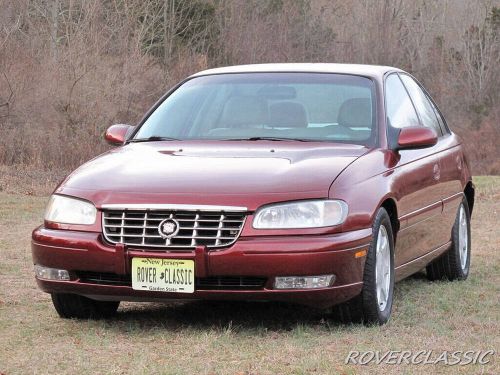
column 71, row 68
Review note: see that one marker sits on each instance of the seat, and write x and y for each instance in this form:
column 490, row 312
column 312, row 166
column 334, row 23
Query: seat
column 355, row 113
column 287, row 115
column 244, row 111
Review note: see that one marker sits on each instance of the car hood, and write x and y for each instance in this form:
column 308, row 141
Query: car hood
column 242, row 173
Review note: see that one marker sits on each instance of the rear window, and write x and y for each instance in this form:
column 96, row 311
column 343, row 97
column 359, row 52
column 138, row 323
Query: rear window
column 306, row 106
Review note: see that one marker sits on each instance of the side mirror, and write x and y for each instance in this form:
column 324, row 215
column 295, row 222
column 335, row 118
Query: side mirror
column 116, row 135
column 414, row 137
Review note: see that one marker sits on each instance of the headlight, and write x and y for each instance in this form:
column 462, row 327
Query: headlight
column 303, row 214
column 66, row 210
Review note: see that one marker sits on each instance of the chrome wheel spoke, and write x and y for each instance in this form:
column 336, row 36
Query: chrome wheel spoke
column 383, row 297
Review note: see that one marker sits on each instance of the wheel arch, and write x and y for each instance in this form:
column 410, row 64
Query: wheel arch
column 389, row 204
column 469, row 192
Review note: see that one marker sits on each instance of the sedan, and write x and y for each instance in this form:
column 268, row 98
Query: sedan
column 315, row 184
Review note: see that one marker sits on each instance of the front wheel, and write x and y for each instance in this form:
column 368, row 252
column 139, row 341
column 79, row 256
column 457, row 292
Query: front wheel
column 374, row 304
column 74, row 306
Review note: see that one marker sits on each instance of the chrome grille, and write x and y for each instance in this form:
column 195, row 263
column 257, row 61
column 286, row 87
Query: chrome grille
column 140, row 228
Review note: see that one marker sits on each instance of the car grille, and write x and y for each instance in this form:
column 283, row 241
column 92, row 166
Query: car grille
column 202, row 283
column 230, row 282
column 141, row 228
column 104, row 278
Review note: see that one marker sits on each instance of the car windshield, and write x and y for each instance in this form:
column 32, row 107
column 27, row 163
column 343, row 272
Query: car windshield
column 272, row 106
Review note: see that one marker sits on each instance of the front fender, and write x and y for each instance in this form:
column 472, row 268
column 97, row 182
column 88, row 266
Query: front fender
column 365, row 185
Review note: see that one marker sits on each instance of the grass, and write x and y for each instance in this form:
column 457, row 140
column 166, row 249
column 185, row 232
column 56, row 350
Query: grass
column 244, row 338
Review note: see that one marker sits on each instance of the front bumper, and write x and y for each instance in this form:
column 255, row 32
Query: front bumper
column 250, row 256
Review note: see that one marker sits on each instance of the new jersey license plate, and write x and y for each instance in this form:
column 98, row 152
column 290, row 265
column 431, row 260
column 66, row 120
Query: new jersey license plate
column 163, row 275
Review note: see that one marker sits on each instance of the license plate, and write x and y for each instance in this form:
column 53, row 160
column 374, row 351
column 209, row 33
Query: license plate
column 163, row 275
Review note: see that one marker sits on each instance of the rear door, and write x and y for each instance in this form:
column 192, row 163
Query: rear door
column 416, row 179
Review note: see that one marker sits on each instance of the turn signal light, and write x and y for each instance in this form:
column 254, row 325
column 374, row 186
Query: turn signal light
column 304, row 282
column 47, row 273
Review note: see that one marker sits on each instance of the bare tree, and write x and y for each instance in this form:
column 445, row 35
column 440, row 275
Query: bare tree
column 75, row 66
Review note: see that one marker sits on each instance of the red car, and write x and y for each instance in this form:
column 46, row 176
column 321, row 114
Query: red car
column 319, row 184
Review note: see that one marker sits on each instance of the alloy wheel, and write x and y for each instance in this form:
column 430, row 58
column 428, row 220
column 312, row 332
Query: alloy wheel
column 382, row 268
column 463, row 238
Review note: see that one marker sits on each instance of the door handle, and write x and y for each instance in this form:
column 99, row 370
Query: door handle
column 459, row 162
column 436, row 172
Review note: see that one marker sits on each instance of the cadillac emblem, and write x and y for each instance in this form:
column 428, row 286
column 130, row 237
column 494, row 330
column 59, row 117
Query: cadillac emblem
column 168, row 228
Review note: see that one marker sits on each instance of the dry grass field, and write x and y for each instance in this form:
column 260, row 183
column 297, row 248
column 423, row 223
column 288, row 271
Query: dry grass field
column 244, row 338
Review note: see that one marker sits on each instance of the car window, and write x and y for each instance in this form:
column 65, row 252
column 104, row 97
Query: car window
column 399, row 108
column 306, row 106
column 440, row 118
column 422, row 104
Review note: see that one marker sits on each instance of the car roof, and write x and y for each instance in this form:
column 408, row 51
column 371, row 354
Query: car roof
column 372, row 71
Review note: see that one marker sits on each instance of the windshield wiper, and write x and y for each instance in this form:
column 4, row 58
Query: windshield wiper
column 153, row 139
column 268, row 139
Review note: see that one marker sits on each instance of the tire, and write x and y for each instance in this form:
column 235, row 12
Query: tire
column 454, row 264
column 75, row 306
column 371, row 307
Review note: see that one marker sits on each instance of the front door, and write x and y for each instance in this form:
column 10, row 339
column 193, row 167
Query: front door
column 417, row 177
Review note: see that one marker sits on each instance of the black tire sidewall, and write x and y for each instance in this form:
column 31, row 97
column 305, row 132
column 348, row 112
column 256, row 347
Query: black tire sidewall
column 75, row 306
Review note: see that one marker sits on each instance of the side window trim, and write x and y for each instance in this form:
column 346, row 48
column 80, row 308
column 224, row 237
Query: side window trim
column 433, row 105
column 440, row 118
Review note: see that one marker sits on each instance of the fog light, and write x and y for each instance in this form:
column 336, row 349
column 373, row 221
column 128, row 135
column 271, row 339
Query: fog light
column 304, row 282
column 50, row 273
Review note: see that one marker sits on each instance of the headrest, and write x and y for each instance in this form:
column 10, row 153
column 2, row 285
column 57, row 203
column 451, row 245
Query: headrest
column 356, row 112
column 287, row 115
column 243, row 111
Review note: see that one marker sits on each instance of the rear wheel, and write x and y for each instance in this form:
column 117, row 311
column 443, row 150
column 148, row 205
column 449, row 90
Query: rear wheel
column 374, row 304
column 75, row 306
column 455, row 263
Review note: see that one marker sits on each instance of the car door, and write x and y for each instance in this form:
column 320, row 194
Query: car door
column 415, row 179
column 450, row 161
column 453, row 164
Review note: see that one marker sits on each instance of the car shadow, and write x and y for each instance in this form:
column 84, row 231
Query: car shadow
column 221, row 315
column 416, row 276
column 199, row 314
